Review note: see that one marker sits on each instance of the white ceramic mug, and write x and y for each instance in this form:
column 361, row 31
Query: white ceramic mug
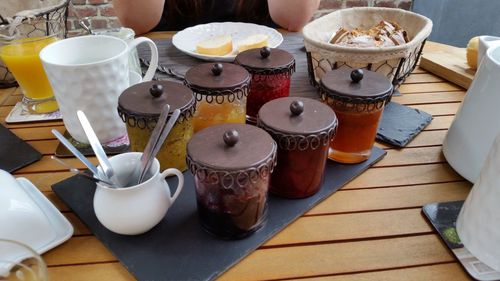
column 89, row 73
column 486, row 42
column 136, row 209
column 476, row 125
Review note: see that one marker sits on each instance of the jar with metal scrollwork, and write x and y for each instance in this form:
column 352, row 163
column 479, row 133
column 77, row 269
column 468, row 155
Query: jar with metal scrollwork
column 303, row 129
column 358, row 98
column 140, row 107
column 221, row 91
column 232, row 166
column 271, row 70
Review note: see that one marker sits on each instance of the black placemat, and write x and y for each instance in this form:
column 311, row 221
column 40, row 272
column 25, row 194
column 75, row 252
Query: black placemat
column 400, row 124
column 178, row 248
column 86, row 149
column 443, row 217
column 15, row 153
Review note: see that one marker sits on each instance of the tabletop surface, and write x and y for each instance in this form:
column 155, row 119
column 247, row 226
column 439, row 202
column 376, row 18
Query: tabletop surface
column 372, row 229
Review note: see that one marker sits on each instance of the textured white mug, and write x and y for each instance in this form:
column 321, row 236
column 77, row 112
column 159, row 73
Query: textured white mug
column 89, row 73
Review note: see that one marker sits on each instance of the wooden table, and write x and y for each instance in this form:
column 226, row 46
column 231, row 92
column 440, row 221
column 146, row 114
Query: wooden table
column 372, row 229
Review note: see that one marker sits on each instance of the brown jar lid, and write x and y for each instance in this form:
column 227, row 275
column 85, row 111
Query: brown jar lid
column 144, row 101
column 216, row 76
column 295, row 122
column 230, row 147
column 266, row 61
column 356, row 85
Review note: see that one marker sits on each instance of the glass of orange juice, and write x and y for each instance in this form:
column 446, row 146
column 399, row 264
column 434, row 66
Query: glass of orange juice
column 20, row 53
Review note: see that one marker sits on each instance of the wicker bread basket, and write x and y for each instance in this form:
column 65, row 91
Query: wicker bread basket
column 395, row 62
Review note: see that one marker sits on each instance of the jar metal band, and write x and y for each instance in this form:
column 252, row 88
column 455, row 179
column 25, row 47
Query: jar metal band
column 301, row 142
column 288, row 70
column 149, row 122
column 236, row 178
column 353, row 104
column 219, row 96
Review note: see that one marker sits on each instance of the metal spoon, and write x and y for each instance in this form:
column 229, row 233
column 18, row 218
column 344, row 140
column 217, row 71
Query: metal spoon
column 75, row 152
column 96, row 146
column 159, row 143
column 81, row 173
column 155, row 135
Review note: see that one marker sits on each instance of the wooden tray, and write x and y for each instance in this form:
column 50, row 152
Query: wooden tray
column 447, row 62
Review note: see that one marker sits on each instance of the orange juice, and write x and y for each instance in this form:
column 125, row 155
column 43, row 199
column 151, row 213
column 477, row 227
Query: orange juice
column 21, row 57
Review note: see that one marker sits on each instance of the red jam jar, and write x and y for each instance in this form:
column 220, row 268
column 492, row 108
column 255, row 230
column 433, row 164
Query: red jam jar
column 232, row 166
column 271, row 70
column 303, row 129
column 358, row 98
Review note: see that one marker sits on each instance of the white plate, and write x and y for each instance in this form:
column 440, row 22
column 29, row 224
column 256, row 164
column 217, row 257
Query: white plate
column 187, row 39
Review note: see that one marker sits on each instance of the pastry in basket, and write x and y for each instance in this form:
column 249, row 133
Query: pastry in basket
column 383, row 34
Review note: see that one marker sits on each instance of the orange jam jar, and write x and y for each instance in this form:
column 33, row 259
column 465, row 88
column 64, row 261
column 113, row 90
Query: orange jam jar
column 140, row 106
column 358, row 98
column 221, row 91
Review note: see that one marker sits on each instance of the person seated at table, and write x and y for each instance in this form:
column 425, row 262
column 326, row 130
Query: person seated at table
column 161, row 15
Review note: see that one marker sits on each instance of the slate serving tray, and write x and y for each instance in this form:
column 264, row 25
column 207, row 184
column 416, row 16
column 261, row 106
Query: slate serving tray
column 15, row 153
column 178, row 248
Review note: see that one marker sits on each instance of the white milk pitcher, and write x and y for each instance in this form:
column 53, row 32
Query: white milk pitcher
column 477, row 122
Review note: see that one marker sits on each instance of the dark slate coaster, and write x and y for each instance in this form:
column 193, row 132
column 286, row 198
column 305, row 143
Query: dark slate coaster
column 178, row 248
column 443, row 217
column 400, row 124
column 86, row 149
column 14, row 152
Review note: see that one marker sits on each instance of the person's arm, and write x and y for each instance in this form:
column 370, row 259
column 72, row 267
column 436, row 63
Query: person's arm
column 292, row 14
column 140, row 15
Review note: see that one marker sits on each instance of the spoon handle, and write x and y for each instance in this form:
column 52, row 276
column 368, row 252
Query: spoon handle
column 75, row 152
column 96, row 145
column 155, row 135
column 161, row 140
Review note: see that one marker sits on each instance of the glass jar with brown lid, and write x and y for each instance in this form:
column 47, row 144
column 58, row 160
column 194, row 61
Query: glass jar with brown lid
column 271, row 70
column 221, row 91
column 232, row 166
column 303, row 129
column 140, row 106
column 358, row 98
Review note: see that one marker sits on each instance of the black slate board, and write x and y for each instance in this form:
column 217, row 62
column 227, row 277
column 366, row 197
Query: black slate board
column 400, row 124
column 443, row 217
column 178, row 248
column 14, row 152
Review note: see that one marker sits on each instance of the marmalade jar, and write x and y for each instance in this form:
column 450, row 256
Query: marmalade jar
column 358, row 98
column 221, row 91
column 140, row 107
column 271, row 71
column 232, row 165
column 303, row 129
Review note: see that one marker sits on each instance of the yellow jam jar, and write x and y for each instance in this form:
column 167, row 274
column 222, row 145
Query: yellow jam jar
column 140, row 106
column 221, row 91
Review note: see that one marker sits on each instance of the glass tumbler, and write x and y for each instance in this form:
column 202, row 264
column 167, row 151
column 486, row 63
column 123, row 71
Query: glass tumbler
column 20, row 53
column 18, row 262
